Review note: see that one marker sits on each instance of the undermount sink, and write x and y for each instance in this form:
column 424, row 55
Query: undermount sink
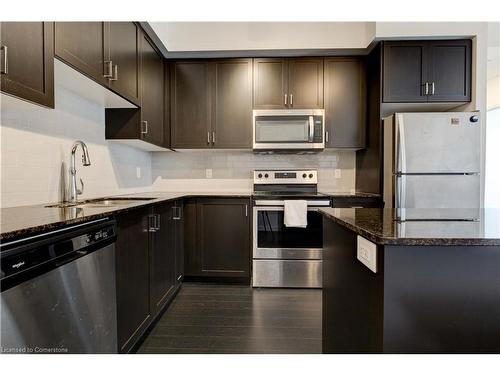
column 102, row 202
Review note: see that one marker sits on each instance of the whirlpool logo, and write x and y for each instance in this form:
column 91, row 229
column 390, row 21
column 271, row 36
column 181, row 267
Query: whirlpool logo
column 17, row 265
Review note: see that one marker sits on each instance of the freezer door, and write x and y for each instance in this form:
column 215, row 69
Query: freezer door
column 440, row 229
column 441, row 142
column 438, row 191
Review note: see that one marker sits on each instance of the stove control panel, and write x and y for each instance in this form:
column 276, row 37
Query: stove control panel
column 308, row 176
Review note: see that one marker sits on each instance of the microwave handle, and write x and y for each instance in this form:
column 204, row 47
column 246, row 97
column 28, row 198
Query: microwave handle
column 311, row 128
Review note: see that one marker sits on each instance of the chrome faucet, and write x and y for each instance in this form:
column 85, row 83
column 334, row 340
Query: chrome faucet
column 74, row 192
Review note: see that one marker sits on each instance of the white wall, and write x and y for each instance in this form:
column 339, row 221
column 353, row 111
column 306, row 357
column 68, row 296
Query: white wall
column 215, row 36
column 36, row 144
column 232, row 170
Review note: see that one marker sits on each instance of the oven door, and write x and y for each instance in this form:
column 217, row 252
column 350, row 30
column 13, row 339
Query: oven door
column 288, row 129
column 273, row 240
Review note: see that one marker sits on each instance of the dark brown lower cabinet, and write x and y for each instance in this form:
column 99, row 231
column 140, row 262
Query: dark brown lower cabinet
column 218, row 238
column 162, row 258
column 132, row 277
column 148, row 267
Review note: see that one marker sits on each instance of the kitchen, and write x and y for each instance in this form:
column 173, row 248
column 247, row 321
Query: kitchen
column 162, row 195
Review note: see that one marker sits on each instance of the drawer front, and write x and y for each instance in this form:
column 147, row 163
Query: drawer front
column 287, row 273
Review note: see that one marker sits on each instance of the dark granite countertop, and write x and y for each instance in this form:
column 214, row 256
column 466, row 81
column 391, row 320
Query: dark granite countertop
column 27, row 220
column 380, row 226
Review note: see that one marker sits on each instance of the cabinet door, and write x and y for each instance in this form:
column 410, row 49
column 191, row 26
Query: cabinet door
column 162, row 258
column 132, row 277
column 122, row 44
column 270, row 87
column 450, row 70
column 305, row 83
column 345, row 102
column 404, row 72
column 152, row 92
column 191, row 266
column 81, row 44
column 27, row 61
column 223, row 237
column 179, row 241
column 232, row 125
column 191, row 104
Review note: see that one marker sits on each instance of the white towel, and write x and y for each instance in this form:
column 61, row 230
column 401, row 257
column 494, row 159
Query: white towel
column 296, row 213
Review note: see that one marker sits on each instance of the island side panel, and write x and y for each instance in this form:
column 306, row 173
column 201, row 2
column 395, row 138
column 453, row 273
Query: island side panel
column 352, row 295
column 442, row 299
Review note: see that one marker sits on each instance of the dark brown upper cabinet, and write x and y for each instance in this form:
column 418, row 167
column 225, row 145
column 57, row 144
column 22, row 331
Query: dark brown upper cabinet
column 152, row 92
column 427, row 71
column 450, row 70
column 27, row 61
column 305, row 83
column 232, row 113
column 270, row 77
column 81, row 45
column 345, row 102
column 143, row 127
column 288, row 83
column 191, row 104
column 122, row 48
column 211, row 104
column 217, row 233
column 107, row 52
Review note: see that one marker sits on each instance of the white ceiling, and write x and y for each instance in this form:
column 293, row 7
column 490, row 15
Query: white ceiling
column 234, row 36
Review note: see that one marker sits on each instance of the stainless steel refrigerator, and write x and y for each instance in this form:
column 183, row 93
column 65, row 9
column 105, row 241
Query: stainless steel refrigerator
column 432, row 160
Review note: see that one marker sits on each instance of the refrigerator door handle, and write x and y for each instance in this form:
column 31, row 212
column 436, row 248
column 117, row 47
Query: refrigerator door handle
column 400, row 149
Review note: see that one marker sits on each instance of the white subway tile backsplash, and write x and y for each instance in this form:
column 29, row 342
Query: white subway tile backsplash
column 229, row 168
column 35, row 149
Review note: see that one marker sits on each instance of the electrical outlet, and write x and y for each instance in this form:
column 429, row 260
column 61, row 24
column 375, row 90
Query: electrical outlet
column 138, row 172
column 367, row 253
column 338, row 173
column 208, row 173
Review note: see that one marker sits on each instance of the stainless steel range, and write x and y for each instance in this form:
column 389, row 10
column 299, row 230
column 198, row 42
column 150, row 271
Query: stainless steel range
column 287, row 257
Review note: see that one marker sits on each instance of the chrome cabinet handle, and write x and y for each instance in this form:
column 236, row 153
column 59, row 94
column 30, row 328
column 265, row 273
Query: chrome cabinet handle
column 151, row 223
column 327, row 136
column 432, row 88
column 5, row 69
column 208, row 137
column 115, row 74
column 246, row 210
column 144, row 129
column 158, row 222
column 176, row 215
column 291, row 100
column 108, row 69
column 426, row 88
column 286, row 96
column 213, row 137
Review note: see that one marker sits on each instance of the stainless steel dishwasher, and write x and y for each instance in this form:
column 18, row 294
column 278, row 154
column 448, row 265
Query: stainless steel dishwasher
column 58, row 291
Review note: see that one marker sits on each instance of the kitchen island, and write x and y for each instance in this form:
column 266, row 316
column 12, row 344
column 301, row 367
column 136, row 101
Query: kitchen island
column 410, row 287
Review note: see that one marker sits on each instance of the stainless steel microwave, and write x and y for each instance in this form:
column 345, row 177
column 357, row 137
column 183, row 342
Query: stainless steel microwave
column 289, row 129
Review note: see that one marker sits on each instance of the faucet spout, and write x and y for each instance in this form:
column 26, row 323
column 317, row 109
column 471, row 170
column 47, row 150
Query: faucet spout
column 74, row 191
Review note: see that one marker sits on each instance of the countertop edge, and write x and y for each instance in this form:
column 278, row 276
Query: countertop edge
column 391, row 241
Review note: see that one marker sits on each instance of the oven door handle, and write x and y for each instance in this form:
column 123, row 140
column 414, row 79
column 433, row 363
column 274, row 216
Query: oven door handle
column 281, row 204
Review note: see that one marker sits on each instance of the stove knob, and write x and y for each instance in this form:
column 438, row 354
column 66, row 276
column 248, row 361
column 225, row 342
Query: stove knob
column 266, row 175
column 311, row 175
column 260, row 175
column 304, row 175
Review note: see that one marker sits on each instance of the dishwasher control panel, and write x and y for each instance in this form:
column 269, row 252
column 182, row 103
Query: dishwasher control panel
column 50, row 250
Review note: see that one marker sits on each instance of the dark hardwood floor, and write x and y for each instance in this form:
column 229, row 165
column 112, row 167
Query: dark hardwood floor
column 207, row 318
